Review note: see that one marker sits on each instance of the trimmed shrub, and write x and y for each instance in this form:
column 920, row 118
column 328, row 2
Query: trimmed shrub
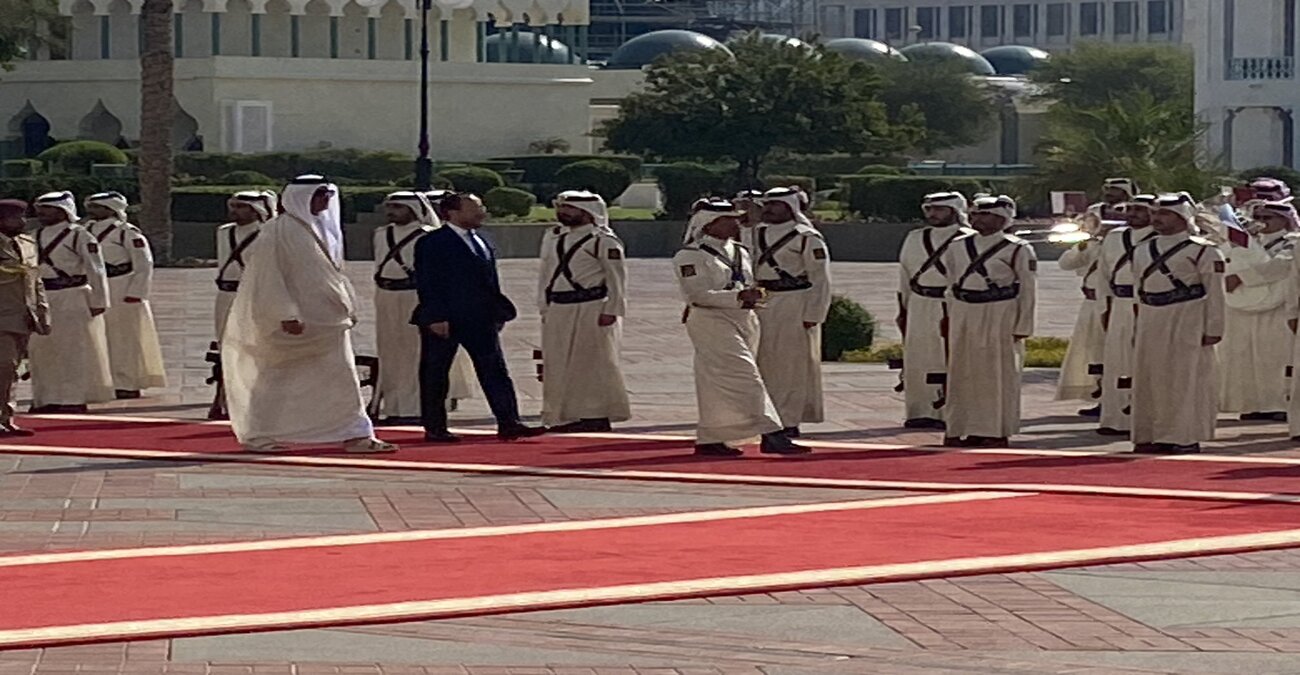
column 825, row 169
column 472, row 179
column 20, row 168
column 882, row 170
column 684, row 182
column 76, row 157
column 899, row 197
column 372, row 168
column 207, row 203
column 607, row 179
column 32, row 187
column 807, row 183
column 542, row 168
column 504, row 201
column 849, row 327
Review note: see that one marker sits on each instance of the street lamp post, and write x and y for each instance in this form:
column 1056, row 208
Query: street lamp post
column 424, row 165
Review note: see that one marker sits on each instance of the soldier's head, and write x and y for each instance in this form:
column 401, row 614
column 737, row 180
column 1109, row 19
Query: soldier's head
column 106, row 206
column 11, row 216
column 1118, row 190
column 404, row 208
column 1276, row 216
column 55, row 208
column 943, row 208
column 780, row 205
column 719, row 219
column 1137, row 212
column 992, row 214
column 1173, row 213
column 251, row 206
column 576, row 208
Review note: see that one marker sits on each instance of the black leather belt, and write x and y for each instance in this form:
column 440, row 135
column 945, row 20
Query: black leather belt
column 576, row 297
column 383, row 284
column 228, row 286
column 118, row 270
column 928, row 291
column 995, row 294
column 787, row 284
column 1122, row 290
column 62, row 283
column 1182, row 294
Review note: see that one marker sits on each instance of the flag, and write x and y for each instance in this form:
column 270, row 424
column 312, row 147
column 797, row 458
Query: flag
column 1232, row 227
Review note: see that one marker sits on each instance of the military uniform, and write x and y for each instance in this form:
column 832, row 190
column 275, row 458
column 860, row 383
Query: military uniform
column 134, row 352
column 233, row 242
column 23, row 311
column 1116, row 293
column 1079, row 379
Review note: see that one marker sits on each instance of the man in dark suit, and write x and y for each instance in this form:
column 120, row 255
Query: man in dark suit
column 461, row 305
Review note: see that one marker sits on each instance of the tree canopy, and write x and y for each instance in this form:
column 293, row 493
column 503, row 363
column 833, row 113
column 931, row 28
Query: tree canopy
column 20, row 22
column 771, row 96
column 940, row 100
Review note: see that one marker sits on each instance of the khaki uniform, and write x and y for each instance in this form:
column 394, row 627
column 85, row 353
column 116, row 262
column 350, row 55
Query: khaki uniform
column 1179, row 282
column 992, row 295
column 582, row 277
column 793, row 264
column 23, row 311
column 70, row 366
column 134, row 352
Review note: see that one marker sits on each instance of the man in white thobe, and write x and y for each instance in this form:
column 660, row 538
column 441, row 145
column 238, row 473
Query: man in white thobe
column 717, row 283
column 1180, row 318
column 991, row 279
column 134, row 353
column 581, row 295
column 410, row 216
column 1257, row 343
column 923, row 307
column 1080, row 379
column 248, row 210
column 792, row 263
column 70, row 365
column 287, row 352
column 1116, row 295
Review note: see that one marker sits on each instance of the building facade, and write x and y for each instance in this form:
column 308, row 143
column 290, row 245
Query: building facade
column 1046, row 24
column 260, row 75
column 1246, row 88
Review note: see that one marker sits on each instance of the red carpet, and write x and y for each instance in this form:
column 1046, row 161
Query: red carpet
column 939, row 469
column 48, row 602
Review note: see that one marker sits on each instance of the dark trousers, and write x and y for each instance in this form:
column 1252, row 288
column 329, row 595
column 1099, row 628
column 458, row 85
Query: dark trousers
column 484, row 347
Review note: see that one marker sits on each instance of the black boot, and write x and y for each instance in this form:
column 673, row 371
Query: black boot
column 717, row 450
column 791, row 432
column 777, row 443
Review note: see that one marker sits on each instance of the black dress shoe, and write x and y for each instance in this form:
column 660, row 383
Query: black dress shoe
column 128, row 393
column 1094, row 411
column 441, row 436
column 792, row 432
column 516, row 431
column 398, row 422
column 986, row 442
column 953, row 442
column 1147, row 449
column 1256, row 417
column 717, row 450
column 14, row 431
column 1111, row 431
column 779, row 444
column 584, row 426
column 1188, row 449
column 924, row 423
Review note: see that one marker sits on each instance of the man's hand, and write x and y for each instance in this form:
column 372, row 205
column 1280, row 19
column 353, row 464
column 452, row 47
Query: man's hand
column 132, row 301
column 606, row 320
column 1232, row 282
column 808, row 325
column 1211, row 340
column 441, row 329
column 750, row 296
column 96, row 311
column 292, row 327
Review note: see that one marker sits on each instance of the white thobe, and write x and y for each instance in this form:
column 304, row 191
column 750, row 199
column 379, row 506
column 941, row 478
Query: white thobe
column 134, row 353
column 293, row 388
column 1293, row 315
column 790, row 355
column 233, row 241
column 925, row 350
column 70, row 365
column 1256, row 348
column 397, row 342
column 1174, row 389
column 734, row 406
column 1115, row 293
column 984, row 364
column 1088, row 340
column 581, row 375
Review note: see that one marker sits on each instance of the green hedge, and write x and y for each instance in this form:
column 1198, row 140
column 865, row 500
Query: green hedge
column 543, row 168
column 892, row 197
column 825, row 169
column 473, row 179
column 76, row 157
column 505, row 201
column 849, row 327
column 607, row 179
column 21, row 168
column 32, row 187
column 806, row 183
column 245, row 177
column 207, row 203
column 339, row 165
column 684, row 182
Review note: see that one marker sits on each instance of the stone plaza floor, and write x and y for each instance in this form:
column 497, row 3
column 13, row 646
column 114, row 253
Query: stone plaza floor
column 1219, row 614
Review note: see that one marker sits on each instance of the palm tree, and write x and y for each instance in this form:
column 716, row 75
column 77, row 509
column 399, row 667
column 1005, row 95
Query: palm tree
column 156, row 115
